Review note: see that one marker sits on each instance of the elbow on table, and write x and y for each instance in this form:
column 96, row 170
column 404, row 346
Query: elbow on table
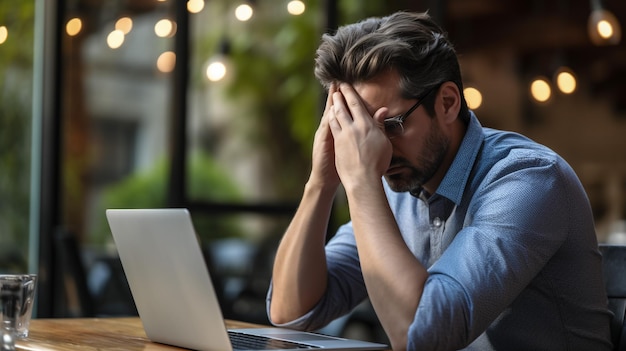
column 279, row 315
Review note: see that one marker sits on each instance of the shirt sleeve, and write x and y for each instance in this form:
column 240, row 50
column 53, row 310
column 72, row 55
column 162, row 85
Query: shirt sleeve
column 515, row 222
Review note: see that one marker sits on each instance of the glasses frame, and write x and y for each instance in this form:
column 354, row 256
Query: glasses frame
column 392, row 122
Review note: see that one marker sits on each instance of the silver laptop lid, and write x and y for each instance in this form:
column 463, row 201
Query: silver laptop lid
column 168, row 277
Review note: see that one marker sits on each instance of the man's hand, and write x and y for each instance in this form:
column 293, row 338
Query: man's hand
column 323, row 171
column 362, row 150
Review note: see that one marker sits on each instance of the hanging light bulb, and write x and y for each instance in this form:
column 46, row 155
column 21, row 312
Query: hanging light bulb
column 244, row 12
column 603, row 27
column 218, row 66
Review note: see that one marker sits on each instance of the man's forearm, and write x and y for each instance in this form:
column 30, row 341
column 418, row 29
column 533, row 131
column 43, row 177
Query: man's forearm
column 299, row 274
column 393, row 276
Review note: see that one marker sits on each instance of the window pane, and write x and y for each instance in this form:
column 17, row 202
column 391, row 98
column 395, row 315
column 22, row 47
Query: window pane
column 252, row 129
column 117, row 61
column 17, row 21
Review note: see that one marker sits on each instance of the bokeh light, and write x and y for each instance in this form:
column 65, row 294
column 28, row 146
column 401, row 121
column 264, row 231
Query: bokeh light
column 74, row 26
column 244, row 12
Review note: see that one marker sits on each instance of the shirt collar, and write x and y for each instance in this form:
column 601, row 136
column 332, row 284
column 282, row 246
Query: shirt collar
column 453, row 184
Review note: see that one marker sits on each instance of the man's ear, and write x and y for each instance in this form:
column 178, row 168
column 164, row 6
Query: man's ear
column 448, row 102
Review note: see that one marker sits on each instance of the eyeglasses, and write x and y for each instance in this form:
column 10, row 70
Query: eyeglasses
column 394, row 126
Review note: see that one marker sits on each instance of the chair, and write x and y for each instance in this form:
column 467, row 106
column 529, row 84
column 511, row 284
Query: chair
column 614, row 266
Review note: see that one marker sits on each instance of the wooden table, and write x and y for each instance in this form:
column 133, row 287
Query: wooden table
column 95, row 334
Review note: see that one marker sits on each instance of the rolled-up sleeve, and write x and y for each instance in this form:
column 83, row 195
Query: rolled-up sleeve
column 346, row 288
column 515, row 223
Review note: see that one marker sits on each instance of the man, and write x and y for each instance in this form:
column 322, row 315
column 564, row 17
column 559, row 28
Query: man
column 461, row 236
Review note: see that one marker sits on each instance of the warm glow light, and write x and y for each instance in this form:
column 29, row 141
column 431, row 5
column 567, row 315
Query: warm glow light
column 540, row 89
column 164, row 28
column 115, row 39
column 605, row 29
column 566, row 81
column 73, row 26
column 216, row 71
column 195, row 6
column 4, row 34
column 125, row 24
column 473, row 97
column 296, row 7
column 244, row 12
column 166, row 62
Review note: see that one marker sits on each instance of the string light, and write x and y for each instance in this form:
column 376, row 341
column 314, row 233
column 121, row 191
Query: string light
column 244, row 12
column 164, row 28
column 4, row 34
column 195, row 6
column 166, row 62
column 73, row 26
column 296, row 7
column 124, row 24
column 115, row 39
column 565, row 80
column 540, row 89
column 473, row 97
column 603, row 27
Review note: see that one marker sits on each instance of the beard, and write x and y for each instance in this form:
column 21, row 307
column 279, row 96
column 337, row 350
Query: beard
column 415, row 175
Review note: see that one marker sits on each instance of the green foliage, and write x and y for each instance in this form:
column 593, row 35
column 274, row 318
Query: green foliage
column 271, row 87
column 277, row 98
column 15, row 126
column 19, row 18
column 147, row 189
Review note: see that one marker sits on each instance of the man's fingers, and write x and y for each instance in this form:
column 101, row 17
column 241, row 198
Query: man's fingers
column 329, row 98
column 339, row 111
column 355, row 107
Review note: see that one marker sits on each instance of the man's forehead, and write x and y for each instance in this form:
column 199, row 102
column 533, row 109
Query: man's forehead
column 382, row 90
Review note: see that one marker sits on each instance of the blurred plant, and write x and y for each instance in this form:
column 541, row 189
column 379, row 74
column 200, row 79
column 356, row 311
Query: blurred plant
column 16, row 61
column 146, row 189
column 272, row 87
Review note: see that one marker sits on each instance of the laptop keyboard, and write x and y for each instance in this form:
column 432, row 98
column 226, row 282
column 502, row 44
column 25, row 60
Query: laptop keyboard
column 241, row 341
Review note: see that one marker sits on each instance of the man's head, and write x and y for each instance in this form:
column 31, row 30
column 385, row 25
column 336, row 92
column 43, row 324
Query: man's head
column 403, row 62
column 410, row 43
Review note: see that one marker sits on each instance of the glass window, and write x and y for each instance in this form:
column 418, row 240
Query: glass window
column 117, row 59
column 17, row 22
column 253, row 99
column 116, row 63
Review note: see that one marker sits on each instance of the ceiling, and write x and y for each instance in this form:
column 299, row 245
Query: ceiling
column 538, row 32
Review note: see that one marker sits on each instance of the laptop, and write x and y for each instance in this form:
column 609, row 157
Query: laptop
column 174, row 295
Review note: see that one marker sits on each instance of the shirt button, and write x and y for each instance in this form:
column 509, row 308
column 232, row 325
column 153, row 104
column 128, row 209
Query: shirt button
column 437, row 222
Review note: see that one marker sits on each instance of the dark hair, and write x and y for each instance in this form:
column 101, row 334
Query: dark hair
column 411, row 43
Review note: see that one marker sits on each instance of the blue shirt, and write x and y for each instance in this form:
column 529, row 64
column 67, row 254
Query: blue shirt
column 509, row 243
